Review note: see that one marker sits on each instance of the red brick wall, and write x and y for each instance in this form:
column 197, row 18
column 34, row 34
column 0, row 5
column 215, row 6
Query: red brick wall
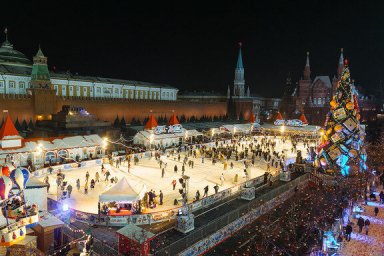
column 23, row 108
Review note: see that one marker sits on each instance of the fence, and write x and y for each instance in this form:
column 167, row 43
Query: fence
column 205, row 237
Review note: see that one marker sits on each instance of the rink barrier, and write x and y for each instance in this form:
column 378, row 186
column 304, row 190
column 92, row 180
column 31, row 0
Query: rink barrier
column 161, row 216
column 67, row 167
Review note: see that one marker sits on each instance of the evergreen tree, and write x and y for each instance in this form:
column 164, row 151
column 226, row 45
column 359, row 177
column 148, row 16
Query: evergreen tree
column 182, row 119
column 122, row 123
column 341, row 149
column 192, row 119
column 116, row 124
column 17, row 124
column 133, row 121
column 24, row 125
column 30, row 124
column 2, row 122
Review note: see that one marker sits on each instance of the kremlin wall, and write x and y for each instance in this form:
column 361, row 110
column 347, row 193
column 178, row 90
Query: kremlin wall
column 29, row 91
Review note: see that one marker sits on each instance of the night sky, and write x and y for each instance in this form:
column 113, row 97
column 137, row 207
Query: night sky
column 193, row 45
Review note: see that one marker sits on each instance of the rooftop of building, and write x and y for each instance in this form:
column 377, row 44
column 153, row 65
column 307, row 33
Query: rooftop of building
column 14, row 62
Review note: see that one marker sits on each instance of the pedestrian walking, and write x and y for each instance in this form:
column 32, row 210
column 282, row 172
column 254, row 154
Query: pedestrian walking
column 174, row 184
column 366, row 224
column 161, row 196
column 162, row 173
column 376, row 210
column 360, row 223
column 69, row 189
column 348, row 231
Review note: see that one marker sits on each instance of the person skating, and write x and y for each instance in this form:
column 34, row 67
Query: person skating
column 222, row 179
column 86, row 187
column 348, row 232
column 161, row 196
column 197, row 195
column 92, row 184
column 182, row 170
column 173, row 184
column 97, row 177
column 162, row 173
column 205, row 191
column 69, row 189
column 175, row 169
column 87, row 176
column 366, row 224
column 107, row 175
column 78, row 184
column 216, row 187
column 360, row 223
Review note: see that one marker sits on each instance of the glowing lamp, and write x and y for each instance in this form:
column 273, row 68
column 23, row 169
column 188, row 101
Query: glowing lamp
column 65, row 207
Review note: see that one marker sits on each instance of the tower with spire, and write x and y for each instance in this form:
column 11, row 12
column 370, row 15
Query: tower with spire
column 43, row 94
column 340, row 68
column 304, row 86
column 40, row 77
column 239, row 82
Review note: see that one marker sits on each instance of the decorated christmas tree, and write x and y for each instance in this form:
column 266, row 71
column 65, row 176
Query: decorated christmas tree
column 341, row 148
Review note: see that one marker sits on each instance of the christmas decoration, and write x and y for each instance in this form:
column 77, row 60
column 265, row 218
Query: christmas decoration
column 341, row 146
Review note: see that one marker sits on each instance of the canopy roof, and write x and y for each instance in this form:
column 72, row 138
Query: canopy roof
column 303, row 119
column 135, row 233
column 122, row 191
column 252, row 119
column 173, row 120
column 8, row 129
column 151, row 123
column 279, row 116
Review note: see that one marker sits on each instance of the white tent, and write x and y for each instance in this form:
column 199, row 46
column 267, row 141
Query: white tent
column 122, row 191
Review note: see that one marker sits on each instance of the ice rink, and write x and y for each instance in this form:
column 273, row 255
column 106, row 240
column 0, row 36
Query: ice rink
column 148, row 172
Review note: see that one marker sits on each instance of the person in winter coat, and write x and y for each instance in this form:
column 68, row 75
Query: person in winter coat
column 376, row 210
column 367, row 223
column 348, row 232
column 360, row 223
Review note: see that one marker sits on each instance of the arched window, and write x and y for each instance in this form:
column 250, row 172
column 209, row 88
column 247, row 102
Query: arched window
column 50, row 156
column 63, row 154
column 319, row 101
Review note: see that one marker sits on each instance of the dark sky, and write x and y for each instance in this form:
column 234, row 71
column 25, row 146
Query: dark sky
column 193, row 44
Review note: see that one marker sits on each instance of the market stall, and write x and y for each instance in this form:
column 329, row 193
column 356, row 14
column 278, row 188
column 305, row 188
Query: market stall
column 121, row 199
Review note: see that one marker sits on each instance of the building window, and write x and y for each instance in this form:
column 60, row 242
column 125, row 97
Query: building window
column 1, row 84
column 70, row 88
column 12, row 84
column 50, row 156
column 63, row 154
column 21, row 85
column 99, row 151
column 98, row 90
column 85, row 89
column 319, row 101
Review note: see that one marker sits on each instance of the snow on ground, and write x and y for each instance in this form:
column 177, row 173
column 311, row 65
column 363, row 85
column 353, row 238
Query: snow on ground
column 371, row 244
column 148, row 172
